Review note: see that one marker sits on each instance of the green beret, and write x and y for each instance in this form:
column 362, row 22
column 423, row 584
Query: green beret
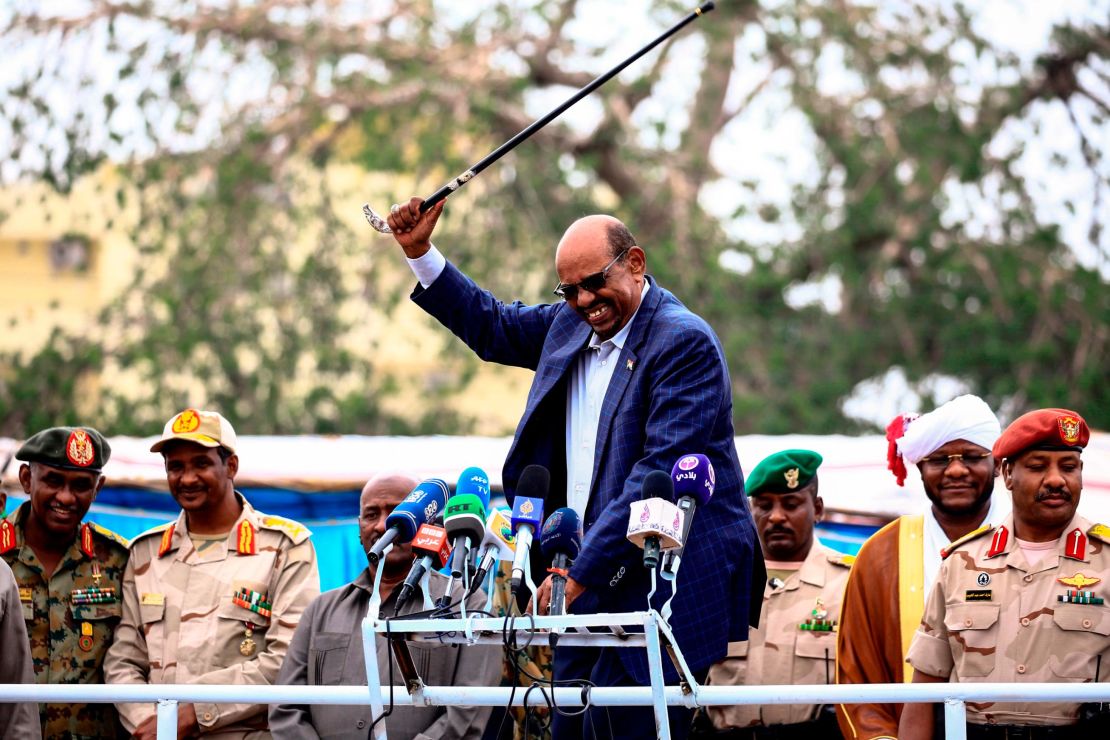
column 70, row 448
column 783, row 472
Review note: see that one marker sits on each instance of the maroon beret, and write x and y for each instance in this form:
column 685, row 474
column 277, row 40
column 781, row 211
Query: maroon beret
column 1043, row 429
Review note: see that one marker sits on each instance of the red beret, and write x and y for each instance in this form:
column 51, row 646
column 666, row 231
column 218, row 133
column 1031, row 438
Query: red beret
column 1043, row 429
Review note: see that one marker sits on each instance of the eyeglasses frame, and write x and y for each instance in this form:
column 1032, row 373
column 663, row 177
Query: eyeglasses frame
column 603, row 274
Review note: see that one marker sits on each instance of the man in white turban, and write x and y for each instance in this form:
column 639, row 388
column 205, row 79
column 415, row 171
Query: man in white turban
column 885, row 596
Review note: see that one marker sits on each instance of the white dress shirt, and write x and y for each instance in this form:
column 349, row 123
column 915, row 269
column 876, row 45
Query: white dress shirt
column 589, row 380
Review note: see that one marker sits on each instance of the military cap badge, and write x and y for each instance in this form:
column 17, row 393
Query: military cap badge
column 79, row 448
column 187, row 421
column 791, row 478
column 1069, row 429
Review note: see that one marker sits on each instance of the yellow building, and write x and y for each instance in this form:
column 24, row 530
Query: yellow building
column 64, row 257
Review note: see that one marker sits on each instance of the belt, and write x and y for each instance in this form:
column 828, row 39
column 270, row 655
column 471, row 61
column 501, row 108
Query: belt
column 817, row 729
column 1024, row 732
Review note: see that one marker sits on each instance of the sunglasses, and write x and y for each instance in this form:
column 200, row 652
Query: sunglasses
column 590, row 283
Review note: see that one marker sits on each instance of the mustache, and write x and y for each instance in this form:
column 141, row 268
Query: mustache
column 777, row 530
column 1042, row 495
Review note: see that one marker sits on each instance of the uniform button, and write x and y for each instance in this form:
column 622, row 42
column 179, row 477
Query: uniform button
column 1025, row 621
column 968, row 623
column 207, row 716
column 1028, row 578
column 1021, row 669
column 360, row 724
column 1086, row 624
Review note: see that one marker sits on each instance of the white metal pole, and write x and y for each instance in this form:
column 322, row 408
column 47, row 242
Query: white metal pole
column 955, row 720
column 167, row 719
column 655, row 668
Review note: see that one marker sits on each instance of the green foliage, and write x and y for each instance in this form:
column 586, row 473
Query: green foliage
column 902, row 121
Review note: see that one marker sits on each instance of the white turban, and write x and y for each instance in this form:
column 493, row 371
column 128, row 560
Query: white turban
column 966, row 417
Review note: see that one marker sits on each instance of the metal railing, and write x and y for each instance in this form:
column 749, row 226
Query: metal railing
column 954, row 696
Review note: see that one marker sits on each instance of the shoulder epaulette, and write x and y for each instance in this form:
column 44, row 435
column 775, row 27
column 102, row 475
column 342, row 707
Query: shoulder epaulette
column 109, row 534
column 842, row 559
column 293, row 530
column 974, row 534
column 1100, row 531
column 150, row 532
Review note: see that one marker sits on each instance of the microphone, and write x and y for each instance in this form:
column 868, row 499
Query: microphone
column 474, row 480
column 560, row 540
column 419, row 507
column 432, row 551
column 655, row 523
column 694, row 480
column 496, row 545
column 531, row 490
column 465, row 522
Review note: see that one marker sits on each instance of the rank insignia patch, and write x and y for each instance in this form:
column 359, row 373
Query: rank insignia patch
column 1075, row 546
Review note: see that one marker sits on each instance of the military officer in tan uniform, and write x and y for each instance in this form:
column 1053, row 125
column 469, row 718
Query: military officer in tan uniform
column 1025, row 601
column 69, row 573
column 796, row 639
column 214, row 597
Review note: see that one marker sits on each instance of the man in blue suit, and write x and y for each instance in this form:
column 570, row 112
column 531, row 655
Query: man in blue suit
column 627, row 381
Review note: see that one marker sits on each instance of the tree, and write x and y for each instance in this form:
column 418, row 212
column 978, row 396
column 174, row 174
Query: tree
column 910, row 124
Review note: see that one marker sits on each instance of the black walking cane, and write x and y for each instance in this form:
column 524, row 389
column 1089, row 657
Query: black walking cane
column 379, row 223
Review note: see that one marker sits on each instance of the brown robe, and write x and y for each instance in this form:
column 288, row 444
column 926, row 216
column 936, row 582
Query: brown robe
column 869, row 642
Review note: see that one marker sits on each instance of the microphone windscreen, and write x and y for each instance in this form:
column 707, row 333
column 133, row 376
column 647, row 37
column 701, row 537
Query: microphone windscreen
column 693, row 476
column 499, row 533
column 562, row 533
column 465, row 516
column 657, row 484
column 475, row 481
column 431, row 540
column 534, row 482
column 419, row 507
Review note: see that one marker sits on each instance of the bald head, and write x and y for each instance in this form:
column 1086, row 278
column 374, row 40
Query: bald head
column 601, row 271
column 380, row 496
column 391, row 487
column 593, row 235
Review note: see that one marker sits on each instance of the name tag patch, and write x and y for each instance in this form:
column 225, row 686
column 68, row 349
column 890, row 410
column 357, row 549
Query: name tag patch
column 977, row 594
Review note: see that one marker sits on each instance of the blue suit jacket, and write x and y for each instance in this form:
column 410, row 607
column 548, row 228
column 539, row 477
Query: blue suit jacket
column 669, row 396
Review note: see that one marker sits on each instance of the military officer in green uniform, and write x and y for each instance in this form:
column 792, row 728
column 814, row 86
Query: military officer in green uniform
column 69, row 572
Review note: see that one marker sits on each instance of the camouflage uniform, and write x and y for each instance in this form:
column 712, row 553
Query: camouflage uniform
column 781, row 650
column 68, row 639
column 184, row 623
column 991, row 617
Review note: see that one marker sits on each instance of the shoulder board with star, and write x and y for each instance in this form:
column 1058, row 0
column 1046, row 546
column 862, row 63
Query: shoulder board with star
column 110, row 535
column 1101, row 532
column 973, row 535
column 840, row 558
column 291, row 529
column 151, row 532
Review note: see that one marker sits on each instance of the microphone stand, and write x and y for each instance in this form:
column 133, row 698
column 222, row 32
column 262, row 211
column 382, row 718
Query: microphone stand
column 491, row 579
column 374, row 608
